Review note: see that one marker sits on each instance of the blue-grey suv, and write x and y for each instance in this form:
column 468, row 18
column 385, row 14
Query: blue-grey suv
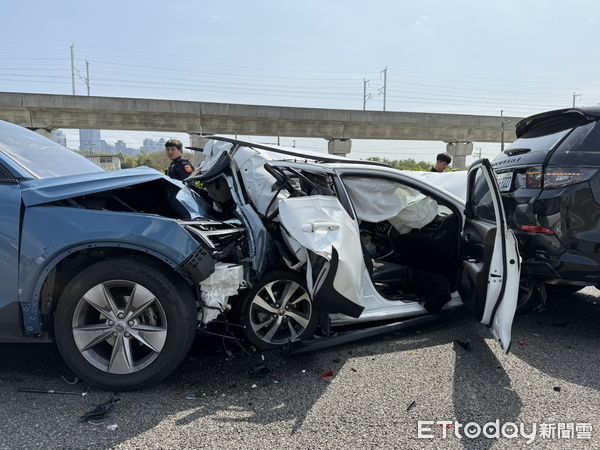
column 100, row 261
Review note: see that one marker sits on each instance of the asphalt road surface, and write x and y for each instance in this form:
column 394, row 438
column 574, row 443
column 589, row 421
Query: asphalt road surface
column 380, row 390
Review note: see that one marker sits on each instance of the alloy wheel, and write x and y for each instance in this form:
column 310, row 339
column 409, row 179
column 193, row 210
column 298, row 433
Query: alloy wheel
column 280, row 312
column 119, row 326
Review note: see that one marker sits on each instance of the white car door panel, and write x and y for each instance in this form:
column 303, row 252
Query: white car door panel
column 491, row 262
column 322, row 226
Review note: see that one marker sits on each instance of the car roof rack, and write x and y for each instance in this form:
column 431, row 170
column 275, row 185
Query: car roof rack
column 299, row 154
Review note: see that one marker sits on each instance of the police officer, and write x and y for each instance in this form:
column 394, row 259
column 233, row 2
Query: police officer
column 180, row 168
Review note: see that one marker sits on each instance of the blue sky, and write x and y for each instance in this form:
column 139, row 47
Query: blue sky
column 473, row 57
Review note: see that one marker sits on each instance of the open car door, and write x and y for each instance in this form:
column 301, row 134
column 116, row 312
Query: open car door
column 491, row 263
column 334, row 271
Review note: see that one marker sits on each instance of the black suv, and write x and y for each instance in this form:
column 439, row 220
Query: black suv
column 550, row 183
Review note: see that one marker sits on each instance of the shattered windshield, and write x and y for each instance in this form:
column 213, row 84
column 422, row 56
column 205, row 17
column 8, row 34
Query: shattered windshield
column 41, row 157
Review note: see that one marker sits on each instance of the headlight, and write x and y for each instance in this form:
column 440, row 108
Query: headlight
column 214, row 236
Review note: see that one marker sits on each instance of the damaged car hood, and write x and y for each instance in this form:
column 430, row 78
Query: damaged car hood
column 38, row 192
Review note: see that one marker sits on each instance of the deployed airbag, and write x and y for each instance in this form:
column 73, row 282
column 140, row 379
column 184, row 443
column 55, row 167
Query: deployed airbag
column 376, row 200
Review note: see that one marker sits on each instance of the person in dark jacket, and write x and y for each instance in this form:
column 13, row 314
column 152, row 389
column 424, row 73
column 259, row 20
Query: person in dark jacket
column 442, row 162
column 180, row 168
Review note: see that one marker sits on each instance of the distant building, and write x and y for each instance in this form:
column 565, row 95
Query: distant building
column 90, row 140
column 120, row 146
column 107, row 162
column 150, row 145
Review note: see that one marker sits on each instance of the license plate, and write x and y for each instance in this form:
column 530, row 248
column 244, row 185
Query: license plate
column 504, row 181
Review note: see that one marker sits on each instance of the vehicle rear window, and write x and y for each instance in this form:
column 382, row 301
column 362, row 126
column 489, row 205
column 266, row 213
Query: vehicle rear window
column 536, row 143
column 585, row 138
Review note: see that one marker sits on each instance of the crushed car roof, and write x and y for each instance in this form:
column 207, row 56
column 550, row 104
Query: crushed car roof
column 300, row 154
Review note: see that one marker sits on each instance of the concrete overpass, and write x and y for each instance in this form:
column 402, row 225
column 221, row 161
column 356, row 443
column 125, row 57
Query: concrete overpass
column 49, row 112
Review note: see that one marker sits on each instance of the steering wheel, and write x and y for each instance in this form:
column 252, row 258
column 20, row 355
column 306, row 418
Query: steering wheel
column 380, row 235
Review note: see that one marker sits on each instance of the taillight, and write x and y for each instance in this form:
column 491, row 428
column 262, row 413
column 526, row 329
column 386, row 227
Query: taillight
column 563, row 176
column 536, row 229
column 533, row 178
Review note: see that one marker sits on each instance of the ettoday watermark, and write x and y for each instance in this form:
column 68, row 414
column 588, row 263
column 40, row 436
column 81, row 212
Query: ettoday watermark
column 430, row 429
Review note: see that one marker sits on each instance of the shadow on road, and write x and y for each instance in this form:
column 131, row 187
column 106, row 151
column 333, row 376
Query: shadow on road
column 210, row 384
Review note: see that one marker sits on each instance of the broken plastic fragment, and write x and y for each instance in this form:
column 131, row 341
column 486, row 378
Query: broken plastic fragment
column 112, row 427
column 466, row 345
column 101, row 412
column 254, row 386
column 327, row 375
column 258, row 371
column 73, row 381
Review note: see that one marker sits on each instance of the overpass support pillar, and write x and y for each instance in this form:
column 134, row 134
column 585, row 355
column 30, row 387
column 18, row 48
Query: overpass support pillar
column 46, row 133
column 197, row 140
column 459, row 152
column 339, row 147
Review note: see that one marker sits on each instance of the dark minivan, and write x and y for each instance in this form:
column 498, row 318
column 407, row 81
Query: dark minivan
column 550, row 183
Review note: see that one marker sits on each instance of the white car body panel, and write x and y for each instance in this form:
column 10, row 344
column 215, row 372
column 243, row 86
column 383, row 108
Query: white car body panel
column 320, row 224
column 503, row 320
column 504, row 272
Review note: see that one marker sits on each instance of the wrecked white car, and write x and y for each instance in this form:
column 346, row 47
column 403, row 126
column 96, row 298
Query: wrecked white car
column 309, row 241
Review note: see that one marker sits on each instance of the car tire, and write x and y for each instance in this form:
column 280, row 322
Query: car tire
column 561, row 290
column 270, row 320
column 146, row 327
column 529, row 295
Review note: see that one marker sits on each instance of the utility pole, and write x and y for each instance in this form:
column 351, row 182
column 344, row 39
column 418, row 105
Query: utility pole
column 73, row 67
column 87, row 76
column 365, row 81
column 502, row 130
column 384, row 86
column 574, row 97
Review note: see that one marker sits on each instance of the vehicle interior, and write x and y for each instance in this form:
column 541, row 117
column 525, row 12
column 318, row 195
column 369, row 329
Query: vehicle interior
column 410, row 240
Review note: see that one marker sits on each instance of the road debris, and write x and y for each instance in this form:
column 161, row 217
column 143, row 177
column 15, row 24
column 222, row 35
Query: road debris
column 258, row 371
column 101, row 413
column 411, row 406
column 327, row 375
column 73, row 381
column 112, row 427
column 557, row 388
column 50, row 391
column 466, row 345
